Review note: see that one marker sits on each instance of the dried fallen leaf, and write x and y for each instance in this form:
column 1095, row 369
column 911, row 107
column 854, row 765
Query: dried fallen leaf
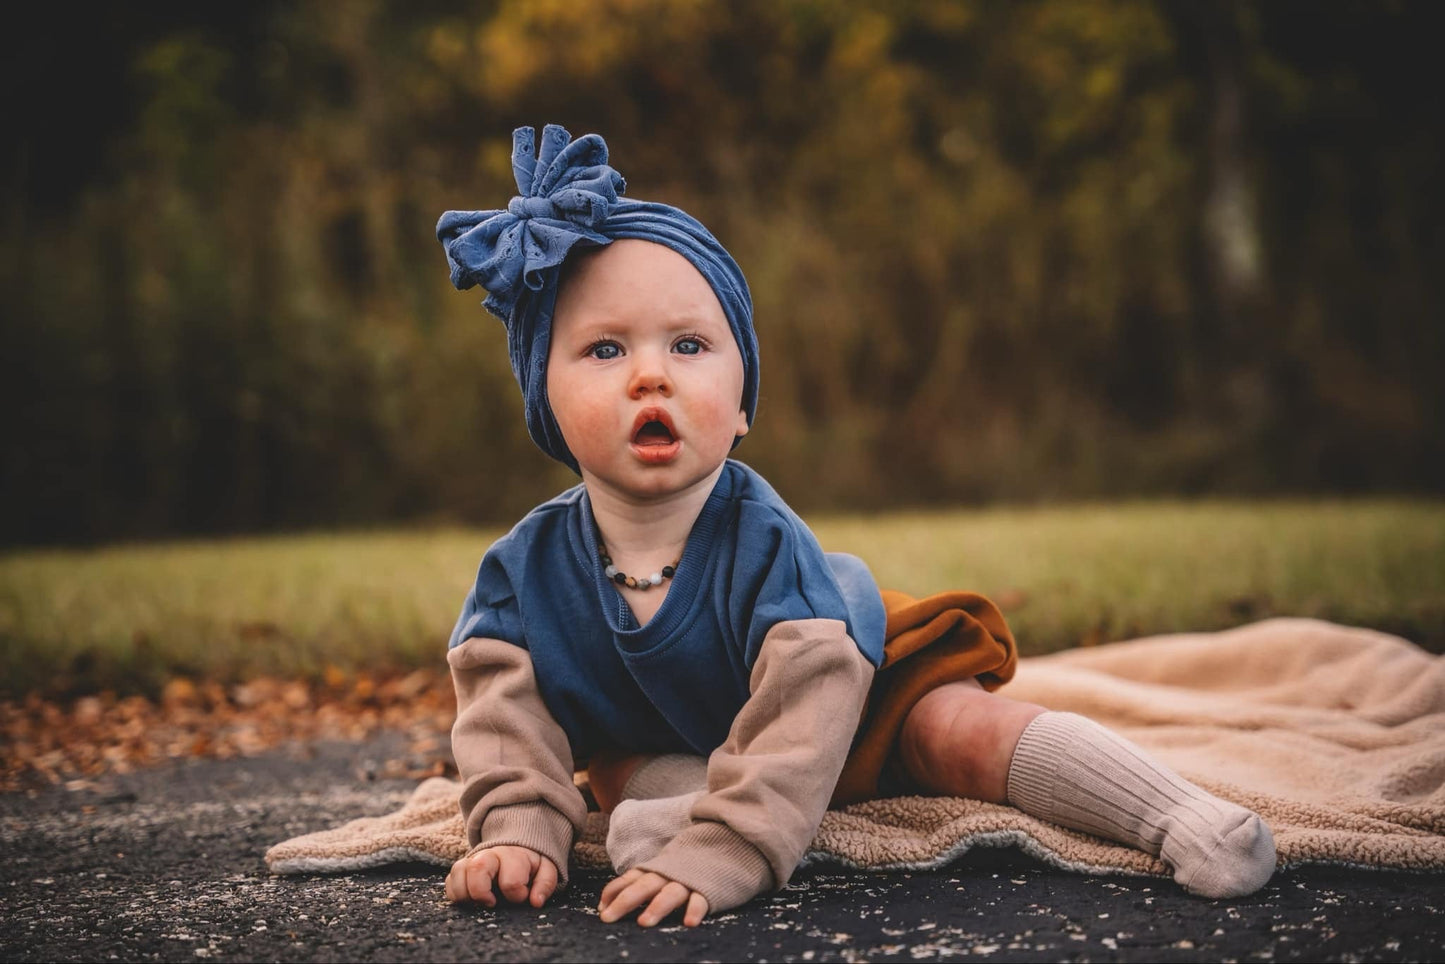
column 180, row 692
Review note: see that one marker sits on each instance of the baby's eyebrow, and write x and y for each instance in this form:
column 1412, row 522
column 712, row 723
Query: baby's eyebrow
column 621, row 327
column 695, row 320
column 591, row 327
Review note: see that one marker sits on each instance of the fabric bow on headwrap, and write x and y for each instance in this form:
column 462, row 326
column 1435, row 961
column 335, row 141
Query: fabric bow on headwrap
column 570, row 196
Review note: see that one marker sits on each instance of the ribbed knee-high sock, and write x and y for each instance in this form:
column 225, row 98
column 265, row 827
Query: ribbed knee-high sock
column 657, row 801
column 1069, row 770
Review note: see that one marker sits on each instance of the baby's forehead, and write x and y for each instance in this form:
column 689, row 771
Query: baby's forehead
column 624, row 256
column 631, row 277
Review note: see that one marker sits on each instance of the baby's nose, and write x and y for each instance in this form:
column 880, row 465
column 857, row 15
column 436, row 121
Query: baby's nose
column 649, row 374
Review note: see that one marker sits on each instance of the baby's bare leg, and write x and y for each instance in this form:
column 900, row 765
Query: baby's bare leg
column 1066, row 769
column 607, row 774
column 959, row 739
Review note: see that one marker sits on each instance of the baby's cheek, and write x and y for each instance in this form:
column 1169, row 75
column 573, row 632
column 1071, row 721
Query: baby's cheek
column 588, row 424
column 721, row 428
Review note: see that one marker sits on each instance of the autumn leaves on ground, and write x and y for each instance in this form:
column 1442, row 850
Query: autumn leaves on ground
column 123, row 657
column 54, row 741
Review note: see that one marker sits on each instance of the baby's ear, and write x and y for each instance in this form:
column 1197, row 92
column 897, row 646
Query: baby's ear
column 743, row 426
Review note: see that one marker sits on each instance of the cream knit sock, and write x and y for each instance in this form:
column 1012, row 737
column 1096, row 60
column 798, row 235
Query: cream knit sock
column 1071, row 771
column 657, row 801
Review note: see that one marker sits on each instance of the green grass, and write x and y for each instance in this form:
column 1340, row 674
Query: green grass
column 1105, row 572
column 127, row 618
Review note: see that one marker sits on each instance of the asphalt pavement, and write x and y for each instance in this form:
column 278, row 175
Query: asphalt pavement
column 166, row 864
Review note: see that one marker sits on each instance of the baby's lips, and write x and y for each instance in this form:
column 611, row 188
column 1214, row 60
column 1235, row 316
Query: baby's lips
column 658, row 452
column 653, row 415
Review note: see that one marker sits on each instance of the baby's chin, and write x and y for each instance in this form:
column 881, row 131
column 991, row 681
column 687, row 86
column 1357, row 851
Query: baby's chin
column 653, row 482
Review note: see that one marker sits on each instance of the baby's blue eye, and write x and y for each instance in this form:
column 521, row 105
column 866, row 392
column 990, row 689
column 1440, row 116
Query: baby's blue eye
column 604, row 350
column 688, row 346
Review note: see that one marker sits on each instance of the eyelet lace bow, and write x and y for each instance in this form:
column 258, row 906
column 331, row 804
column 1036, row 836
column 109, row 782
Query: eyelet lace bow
column 567, row 192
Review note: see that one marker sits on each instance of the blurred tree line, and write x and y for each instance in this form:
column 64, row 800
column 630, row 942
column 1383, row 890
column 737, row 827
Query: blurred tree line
column 999, row 251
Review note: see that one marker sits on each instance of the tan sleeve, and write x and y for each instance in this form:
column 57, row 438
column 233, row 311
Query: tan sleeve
column 514, row 759
column 770, row 782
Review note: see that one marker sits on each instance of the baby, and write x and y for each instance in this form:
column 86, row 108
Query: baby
column 673, row 626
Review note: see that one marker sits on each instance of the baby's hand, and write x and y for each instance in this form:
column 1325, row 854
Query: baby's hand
column 510, row 868
column 624, row 894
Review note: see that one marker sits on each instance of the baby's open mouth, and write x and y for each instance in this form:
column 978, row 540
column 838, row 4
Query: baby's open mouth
column 653, row 433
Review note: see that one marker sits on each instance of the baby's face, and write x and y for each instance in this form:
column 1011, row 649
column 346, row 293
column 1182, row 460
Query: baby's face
column 643, row 374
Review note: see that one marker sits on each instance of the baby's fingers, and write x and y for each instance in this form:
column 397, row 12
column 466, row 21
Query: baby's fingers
column 471, row 879
column 517, row 867
column 696, row 910
column 544, row 883
column 482, row 871
column 616, row 886
column 670, row 898
column 637, row 892
column 457, row 882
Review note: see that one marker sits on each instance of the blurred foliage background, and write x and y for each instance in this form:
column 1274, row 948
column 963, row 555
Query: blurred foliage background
column 999, row 251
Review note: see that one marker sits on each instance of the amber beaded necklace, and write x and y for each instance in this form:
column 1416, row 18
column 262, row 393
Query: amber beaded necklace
column 623, row 579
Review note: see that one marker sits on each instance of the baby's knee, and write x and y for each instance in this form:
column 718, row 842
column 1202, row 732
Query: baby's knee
column 959, row 740
column 943, row 735
column 607, row 776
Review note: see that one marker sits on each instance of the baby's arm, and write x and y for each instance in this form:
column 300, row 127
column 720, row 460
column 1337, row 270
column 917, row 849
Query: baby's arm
column 770, row 782
column 518, row 799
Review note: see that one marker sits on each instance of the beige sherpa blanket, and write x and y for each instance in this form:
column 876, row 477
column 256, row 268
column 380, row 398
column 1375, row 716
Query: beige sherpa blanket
column 1335, row 736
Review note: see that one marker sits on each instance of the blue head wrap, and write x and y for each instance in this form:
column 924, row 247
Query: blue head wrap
column 571, row 197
